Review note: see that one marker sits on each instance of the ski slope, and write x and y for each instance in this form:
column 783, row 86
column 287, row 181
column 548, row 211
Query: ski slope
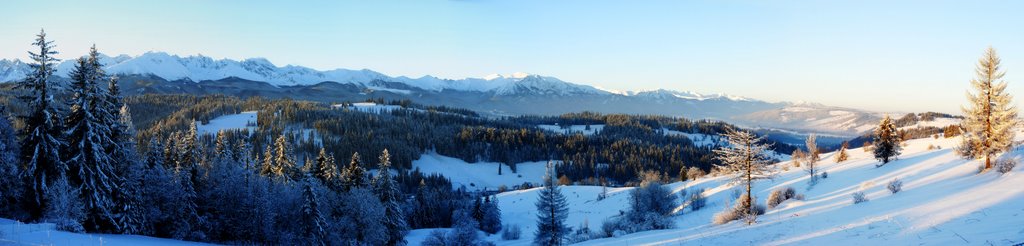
column 945, row 201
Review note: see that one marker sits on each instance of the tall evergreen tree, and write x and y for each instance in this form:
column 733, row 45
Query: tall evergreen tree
column 314, row 224
column 41, row 141
column 285, row 164
column 747, row 158
column 887, row 141
column 991, row 116
column 88, row 136
column 386, row 189
column 491, row 221
column 354, row 175
column 552, row 210
column 326, row 170
column 188, row 148
column 10, row 186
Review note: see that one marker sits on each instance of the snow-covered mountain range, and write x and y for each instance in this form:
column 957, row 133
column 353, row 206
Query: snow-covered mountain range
column 497, row 94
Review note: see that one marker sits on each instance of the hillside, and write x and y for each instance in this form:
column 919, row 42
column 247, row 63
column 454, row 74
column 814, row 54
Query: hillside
column 944, row 201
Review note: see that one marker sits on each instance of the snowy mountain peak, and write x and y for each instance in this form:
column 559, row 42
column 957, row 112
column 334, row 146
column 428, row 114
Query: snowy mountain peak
column 516, row 75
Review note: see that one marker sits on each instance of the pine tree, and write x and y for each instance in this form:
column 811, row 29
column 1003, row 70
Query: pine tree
column 887, row 141
column 88, row 136
column 188, row 148
column 491, row 222
column 991, row 116
column 285, row 168
column 812, row 158
column 841, row 155
column 552, row 210
column 10, row 187
column 41, row 141
column 748, row 159
column 326, row 170
column 386, row 189
column 354, row 175
column 222, row 147
column 268, row 167
column 313, row 222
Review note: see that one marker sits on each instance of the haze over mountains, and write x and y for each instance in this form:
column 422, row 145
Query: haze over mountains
column 512, row 94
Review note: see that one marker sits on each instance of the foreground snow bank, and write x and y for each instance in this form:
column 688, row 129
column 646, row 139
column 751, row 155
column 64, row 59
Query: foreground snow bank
column 17, row 233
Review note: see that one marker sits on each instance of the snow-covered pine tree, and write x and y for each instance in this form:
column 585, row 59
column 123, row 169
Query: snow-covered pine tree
column 10, row 185
column 386, row 189
column 222, row 147
column 132, row 206
column 812, row 158
column 887, row 141
column 477, row 211
column 267, row 166
column 491, row 222
column 747, row 158
column 326, row 170
column 313, row 223
column 991, row 116
column 88, row 137
column 552, row 210
column 285, row 168
column 188, row 148
column 354, row 175
column 41, row 141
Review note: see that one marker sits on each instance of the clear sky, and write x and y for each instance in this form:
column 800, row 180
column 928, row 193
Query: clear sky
column 877, row 55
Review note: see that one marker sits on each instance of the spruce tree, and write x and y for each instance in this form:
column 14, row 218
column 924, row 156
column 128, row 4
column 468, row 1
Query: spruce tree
column 386, row 189
column 354, row 175
column 285, row 168
column 491, row 221
column 314, row 224
column 887, row 141
column 10, row 186
column 325, row 170
column 41, row 141
column 88, row 136
column 747, row 158
column 991, row 116
column 552, row 210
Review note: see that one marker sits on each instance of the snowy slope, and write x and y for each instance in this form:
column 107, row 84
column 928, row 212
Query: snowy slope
column 17, row 233
column 244, row 120
column 944, row 201
column 479, row 175
column 812, row 117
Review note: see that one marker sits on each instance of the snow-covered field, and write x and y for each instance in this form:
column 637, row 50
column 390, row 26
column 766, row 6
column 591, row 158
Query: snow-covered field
column 573, row 129
column 17, row 233
column 944, row 202
column 232, row 121
column 938, row 122
column 479, row 175
column 370, row 107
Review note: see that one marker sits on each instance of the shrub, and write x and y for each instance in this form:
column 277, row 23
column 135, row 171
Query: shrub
column 739, row 211
column 694, row 173
column 824, row 175
column 511, row 232
column 436, row 238
column 894, row 186
column 1005, row 165
column 799, row 197
column 697, row 200
column 650, row 206
column 609, row 226
column 775, row 198
column 859, row 197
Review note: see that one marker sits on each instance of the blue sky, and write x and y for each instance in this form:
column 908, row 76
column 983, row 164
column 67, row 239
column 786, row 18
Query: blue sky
column 880, row 55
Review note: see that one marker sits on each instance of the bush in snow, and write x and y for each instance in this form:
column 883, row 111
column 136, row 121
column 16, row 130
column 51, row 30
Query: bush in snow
column 511, row 232
column 1006, row 165
column 696, row 200
column 739, row 211
column 64, row 208
column 782, row 194
column 609, row 226
column 694, row 173
column 859, row 197
column 650, row 206
column 894, row 186
column 436, row 238
column 824, row 175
